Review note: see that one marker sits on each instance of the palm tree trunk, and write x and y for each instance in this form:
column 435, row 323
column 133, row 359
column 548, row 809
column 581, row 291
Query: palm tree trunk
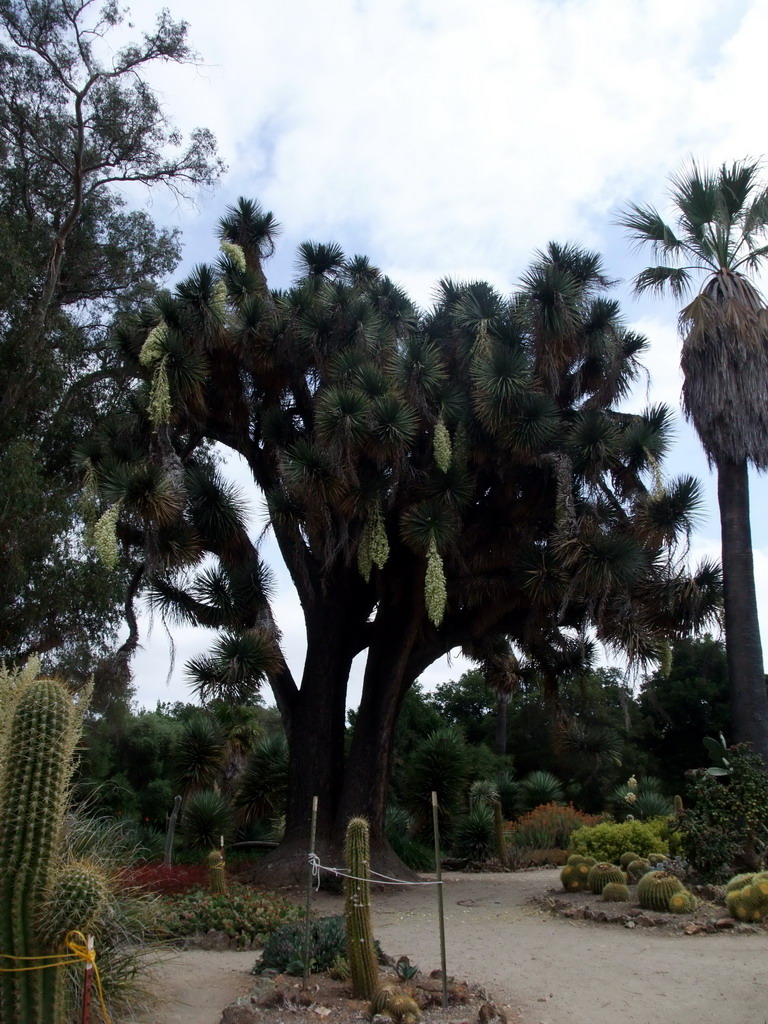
column 749, row 700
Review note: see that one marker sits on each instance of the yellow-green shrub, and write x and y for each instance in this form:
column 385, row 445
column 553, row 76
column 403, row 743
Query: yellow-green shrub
column 607, row 842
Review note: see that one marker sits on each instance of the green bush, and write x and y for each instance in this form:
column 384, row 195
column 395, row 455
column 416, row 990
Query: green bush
column 398, row 828
column 729, row 816
column 539, row 788
column 243, row 913
column 608, row 841
column 474, row 837
column 206, row 818
column 284, row 948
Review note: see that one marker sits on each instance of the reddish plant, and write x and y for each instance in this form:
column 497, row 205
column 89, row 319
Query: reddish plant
column 549, row 826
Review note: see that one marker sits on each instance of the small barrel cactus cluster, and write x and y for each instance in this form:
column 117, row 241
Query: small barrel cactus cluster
column 747, row 897
column 394, row 1002
column 657, row 889
column 575, row 875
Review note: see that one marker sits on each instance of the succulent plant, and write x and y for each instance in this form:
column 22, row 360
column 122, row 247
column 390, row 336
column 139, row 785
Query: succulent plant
column 217, row 881
column 361, row 951
column 739, row 881
column 575, row 858
column 570, row 878
column 34, row 788
column 395, row 1003
column 655, row 889
column 627, row 858
column 615, row 892
column 601, row 874
column 682, row 902
column 637, row 868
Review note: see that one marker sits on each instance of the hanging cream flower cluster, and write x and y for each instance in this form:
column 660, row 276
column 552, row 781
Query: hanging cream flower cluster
column 105, row 536
column 153, row 351
column 374, row 546
column 434, row 585
column 631, row 795
column 441, row 445
column 236, row 254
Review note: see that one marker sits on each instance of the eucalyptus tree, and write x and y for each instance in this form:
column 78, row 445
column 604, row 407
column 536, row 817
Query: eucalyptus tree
column 718, row 241
column 78, row 123
column 431, row 479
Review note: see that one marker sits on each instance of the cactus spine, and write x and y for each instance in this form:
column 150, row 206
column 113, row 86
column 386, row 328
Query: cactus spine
column 357, row 910
column 34, row 786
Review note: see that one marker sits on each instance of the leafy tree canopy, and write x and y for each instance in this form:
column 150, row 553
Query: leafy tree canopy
column 433, row 479
column 76, row 118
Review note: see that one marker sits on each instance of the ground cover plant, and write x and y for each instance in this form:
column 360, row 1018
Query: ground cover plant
column 246, row 915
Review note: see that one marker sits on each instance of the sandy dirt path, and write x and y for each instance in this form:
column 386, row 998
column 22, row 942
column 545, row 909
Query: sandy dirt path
column 549, row 970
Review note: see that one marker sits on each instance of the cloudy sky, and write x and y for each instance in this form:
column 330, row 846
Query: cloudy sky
column 449, row 138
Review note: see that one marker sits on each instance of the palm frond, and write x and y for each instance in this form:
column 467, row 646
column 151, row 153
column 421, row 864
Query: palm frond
column 647, row 227
column 677, row 280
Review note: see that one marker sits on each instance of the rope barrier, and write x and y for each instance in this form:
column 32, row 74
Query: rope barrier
column 317, row 867
column 77, row 944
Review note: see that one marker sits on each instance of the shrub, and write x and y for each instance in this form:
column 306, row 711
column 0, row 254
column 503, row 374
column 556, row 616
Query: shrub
column 284, row 948
column 549, row 826
column 609, row 840
column 729, row 816
column 398, row 827
column 243, row 913
column 475, row 834
column 438, row 763
column 539, row 788
column 206, row 818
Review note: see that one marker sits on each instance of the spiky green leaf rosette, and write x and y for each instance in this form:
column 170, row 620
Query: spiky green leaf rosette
column 616, row 892
column 603, row 873
column 655, row 889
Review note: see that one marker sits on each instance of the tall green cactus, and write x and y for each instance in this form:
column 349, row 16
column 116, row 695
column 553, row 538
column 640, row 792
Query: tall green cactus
column 34, row 785
column 217, row 881
column 361, row 952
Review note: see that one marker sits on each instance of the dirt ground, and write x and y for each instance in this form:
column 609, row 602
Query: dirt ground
column 537, row 968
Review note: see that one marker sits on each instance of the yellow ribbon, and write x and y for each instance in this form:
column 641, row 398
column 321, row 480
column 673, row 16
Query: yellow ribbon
column 77, row 944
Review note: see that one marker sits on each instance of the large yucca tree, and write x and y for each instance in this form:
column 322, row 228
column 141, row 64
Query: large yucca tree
column 716, row 244
column 431, row 479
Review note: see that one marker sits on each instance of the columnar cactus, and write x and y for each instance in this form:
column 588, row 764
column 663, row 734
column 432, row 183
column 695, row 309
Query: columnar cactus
column 357, row 910
column 655, row 889
column 217, row 881
column 34, row 785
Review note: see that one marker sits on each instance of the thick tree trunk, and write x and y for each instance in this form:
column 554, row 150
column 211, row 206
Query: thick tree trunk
column 500, row 742
column 316, row 750
column 749, row 701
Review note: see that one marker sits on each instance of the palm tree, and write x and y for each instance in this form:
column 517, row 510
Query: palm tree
column 718, row 240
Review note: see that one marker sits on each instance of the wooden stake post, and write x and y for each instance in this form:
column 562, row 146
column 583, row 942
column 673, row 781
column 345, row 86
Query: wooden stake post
column 309, row 890
column 439, row 888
